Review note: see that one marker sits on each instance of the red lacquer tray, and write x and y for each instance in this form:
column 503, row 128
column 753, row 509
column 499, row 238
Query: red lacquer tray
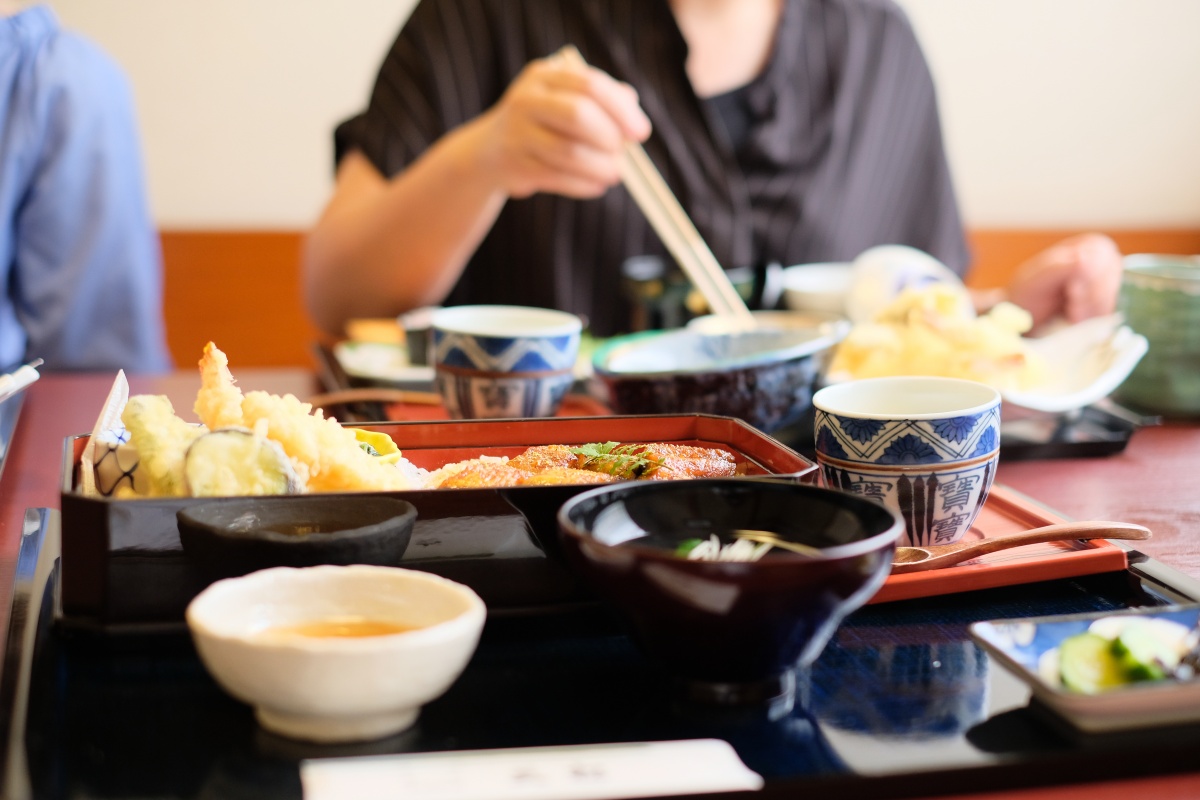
column 1007, row 512
column 573, row 405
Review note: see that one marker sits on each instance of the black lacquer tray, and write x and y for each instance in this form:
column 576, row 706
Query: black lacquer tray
column 124, row 563
column 900, row 704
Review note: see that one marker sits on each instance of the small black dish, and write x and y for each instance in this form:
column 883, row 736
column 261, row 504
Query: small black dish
column 236, row 536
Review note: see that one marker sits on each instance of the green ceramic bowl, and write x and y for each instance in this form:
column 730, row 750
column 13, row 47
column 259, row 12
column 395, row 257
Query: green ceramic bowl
column 1160, row 298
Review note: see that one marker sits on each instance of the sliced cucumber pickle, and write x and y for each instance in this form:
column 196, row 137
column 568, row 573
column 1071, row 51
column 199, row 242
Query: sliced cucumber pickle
column 1144, row 654
column 1088, row 664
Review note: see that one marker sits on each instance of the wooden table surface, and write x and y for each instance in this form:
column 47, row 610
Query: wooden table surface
column 1154, row 482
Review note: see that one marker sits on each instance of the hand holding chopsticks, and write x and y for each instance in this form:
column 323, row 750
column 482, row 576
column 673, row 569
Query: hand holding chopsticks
column 673, row 225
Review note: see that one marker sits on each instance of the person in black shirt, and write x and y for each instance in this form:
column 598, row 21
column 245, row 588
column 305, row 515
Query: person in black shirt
column 485, row 169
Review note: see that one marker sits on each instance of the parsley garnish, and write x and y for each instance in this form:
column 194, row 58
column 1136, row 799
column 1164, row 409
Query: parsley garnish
column 621, row 460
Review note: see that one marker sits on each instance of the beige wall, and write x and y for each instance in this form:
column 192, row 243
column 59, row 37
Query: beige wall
column 1058, row 113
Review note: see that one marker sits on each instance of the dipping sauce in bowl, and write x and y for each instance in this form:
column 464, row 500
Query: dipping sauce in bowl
column 336, row 653
column 337, row 628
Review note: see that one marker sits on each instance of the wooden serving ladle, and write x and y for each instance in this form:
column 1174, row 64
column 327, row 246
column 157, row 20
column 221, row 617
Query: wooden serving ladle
column 919, row 559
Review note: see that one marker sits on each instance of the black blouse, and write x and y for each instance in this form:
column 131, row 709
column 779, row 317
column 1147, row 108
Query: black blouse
column 842, row 148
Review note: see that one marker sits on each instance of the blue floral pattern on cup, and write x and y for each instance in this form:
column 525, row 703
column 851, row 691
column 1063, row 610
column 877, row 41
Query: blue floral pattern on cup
column 895, row 441
column 908, row 449
column 936, row 472
column 862, row 430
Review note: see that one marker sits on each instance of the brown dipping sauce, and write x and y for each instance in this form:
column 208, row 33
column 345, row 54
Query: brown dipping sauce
column 337, row 628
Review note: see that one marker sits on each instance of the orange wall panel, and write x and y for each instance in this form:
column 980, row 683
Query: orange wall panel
column 241, row 289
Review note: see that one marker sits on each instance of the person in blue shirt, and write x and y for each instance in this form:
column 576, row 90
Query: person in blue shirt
column 79, row 255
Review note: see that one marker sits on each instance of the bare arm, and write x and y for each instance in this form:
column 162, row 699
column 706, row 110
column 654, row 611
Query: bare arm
column 383, row 246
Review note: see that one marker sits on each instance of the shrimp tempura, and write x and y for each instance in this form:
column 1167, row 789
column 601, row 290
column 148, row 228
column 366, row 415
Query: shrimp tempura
column 325, row 455
column 219, row 402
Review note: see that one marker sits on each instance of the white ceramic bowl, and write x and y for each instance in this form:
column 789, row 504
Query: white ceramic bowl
column 336, row 689
column 817, row 287
column 881, row 273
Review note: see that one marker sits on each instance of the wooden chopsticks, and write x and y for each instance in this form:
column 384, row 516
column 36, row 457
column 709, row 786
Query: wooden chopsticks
column 673, row 225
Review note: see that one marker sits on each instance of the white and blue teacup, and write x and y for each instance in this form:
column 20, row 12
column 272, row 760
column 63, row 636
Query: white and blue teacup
column 927, row 447
column 495, row 361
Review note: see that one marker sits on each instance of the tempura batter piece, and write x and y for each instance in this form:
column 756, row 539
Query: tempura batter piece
column 324, row 454
column 565, row 476
column 548, row 456
column 161, row 439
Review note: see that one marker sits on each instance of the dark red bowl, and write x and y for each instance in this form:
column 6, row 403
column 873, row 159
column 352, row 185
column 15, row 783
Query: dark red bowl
column 764, row 376
column 725, row 622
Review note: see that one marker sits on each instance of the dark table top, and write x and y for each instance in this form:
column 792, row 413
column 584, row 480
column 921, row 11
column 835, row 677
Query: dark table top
column 1152, row 482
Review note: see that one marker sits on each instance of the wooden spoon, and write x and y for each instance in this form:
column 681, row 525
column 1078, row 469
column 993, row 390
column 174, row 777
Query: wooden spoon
column 919, row 559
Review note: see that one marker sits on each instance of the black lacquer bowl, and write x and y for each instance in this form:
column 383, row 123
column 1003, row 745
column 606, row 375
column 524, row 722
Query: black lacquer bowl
column 726, row 623
column 236, row 536
column 765, row 376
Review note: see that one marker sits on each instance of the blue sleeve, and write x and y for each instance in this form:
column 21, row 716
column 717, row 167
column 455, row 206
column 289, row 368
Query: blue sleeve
column 88, row 267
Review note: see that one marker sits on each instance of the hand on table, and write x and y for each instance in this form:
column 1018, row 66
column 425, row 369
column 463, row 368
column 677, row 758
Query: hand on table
column 1076, row 279
column 560, row 128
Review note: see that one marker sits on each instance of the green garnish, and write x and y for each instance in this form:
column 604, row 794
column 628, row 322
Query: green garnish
column 371, row 451
column 614, row 458
column 686, row 546
column 1088, row 665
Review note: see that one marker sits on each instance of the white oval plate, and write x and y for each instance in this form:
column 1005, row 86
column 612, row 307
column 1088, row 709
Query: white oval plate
column 1085, row 363
column 380, row 361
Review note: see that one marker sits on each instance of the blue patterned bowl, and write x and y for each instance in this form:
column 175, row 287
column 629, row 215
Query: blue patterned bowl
column 926, row 447
column 504, row 361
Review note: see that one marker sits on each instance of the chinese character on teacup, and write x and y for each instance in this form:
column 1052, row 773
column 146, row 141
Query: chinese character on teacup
column 927, row 447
